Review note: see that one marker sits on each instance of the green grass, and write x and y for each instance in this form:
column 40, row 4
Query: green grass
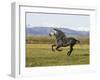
column 42, row 55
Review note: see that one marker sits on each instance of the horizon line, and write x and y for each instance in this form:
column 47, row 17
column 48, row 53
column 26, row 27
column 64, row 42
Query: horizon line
column 57, row 27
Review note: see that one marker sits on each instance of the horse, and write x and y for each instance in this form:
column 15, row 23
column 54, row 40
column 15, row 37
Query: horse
column 62, row 40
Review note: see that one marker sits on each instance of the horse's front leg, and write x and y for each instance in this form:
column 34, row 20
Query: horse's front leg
column 57, row 48
column 53, row 46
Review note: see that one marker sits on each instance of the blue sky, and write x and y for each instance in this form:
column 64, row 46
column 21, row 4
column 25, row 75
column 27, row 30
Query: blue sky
column 75, row 22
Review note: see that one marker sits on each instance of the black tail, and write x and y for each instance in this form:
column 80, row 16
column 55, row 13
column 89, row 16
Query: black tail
column 78, row 42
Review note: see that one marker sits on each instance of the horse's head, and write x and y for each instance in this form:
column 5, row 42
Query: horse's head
column 57, row 33
column 53, row 32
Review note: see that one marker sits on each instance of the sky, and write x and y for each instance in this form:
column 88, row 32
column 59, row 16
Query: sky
column 75, row 22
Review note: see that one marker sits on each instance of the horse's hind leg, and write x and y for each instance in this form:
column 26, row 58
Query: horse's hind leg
column 71, row 49
column 53, row 46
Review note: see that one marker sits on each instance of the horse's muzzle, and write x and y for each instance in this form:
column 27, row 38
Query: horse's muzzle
column 49, row 34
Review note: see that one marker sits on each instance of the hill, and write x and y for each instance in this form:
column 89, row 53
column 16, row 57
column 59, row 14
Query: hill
column 46, row 30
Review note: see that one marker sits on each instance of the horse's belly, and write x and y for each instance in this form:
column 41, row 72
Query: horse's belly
column 59, row 42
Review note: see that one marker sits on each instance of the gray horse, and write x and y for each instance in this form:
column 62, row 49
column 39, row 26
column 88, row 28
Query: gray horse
column 62, row 40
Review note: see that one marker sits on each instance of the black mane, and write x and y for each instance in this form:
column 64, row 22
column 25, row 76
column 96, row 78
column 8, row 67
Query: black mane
column 60, row 33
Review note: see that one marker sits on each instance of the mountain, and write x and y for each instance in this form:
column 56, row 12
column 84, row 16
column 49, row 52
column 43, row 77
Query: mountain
column 46, row 30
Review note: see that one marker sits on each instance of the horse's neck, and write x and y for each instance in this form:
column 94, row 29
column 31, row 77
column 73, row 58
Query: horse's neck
column 60, row 38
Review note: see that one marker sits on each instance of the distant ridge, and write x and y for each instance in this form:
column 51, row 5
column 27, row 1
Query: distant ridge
column 46, row 30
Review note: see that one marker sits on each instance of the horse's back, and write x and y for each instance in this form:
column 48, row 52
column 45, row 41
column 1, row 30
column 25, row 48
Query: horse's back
column 70, row 40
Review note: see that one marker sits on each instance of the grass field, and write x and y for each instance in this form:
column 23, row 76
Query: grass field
column 42, row 55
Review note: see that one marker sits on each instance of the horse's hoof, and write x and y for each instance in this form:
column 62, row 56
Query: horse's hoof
column 68, row 54
column 59, row 50
column 53, row 50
